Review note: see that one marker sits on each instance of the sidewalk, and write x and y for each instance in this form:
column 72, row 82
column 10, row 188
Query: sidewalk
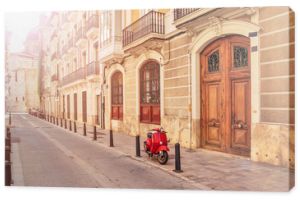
column 216, row 171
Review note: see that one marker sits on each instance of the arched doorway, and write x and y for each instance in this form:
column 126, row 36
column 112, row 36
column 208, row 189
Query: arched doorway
column 150, row 92
column 117, row 96
column 226, row 95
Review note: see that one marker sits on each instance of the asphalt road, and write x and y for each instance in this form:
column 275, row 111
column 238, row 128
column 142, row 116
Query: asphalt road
column 46, row 155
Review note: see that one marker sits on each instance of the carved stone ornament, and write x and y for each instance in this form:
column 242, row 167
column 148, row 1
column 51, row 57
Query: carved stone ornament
column 216, row 24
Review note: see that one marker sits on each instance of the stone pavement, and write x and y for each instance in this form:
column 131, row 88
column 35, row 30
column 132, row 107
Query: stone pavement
column 204, row 169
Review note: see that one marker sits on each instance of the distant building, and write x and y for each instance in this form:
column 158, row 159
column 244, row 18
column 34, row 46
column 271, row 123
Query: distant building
column 22, row 74
column 22, row 87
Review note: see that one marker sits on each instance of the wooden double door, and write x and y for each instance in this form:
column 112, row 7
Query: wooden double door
column 225, row 95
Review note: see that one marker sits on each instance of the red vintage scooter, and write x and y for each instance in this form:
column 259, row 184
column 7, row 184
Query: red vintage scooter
column 156, row 145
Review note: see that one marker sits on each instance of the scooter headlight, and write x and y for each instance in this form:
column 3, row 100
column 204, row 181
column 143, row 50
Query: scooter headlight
column 160, row 142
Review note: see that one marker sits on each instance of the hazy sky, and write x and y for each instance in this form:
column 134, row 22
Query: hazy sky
column 20, row 24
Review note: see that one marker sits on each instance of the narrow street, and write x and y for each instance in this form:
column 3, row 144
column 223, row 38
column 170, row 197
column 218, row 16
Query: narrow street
column 46, row 155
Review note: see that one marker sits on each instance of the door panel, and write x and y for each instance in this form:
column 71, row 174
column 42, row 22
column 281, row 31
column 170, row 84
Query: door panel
column 68, row 106
column 156, row 114
column 213, row 123
column 240, row 137
column 75, row 106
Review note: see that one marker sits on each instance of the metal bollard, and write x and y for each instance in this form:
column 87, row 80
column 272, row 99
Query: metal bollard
column 61, row 122
column 95, row 133
column 7, row 142
column 65, row 124
column 70, row 125
column 7, row 153
column 7, row 173
column 84, row 129
column 177, row 159
column 9, row 120
column 111, row 138
column 137, row 146
column 75, row 128
column 8, row 133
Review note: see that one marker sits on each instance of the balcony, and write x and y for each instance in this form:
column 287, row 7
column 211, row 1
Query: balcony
column 81, row 39
column 54, row 77
column 111, row 50
column 93, row 68
column 147, row 27
column 92, row 28
column 181, row 12
column 76, row 76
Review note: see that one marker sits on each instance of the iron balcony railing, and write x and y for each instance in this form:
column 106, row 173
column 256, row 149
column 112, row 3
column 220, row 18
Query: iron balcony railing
column 93, row 68
column 181, row 12
column 152, row 22
column 93, row 22
column 80, row 33
column 79, row 74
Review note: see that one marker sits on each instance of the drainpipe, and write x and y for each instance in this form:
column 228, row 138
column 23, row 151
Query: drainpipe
column 190, row 99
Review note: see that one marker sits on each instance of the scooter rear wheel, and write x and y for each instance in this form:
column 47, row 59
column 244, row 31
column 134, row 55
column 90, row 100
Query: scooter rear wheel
column 163, row 157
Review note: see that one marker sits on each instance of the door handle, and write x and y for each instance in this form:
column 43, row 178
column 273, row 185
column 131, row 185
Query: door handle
column 214, row 123
column 240, row 124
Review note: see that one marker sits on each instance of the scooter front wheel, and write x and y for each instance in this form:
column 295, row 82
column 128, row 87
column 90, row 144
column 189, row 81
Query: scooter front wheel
column 163, row 157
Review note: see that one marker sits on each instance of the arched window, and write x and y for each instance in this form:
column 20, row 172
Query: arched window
column 117, row 96
column 150, row 93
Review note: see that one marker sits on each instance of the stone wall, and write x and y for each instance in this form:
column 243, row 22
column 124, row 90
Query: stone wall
column 273, row 138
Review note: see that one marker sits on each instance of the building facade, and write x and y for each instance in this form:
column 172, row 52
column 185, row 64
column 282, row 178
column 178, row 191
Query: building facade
column 220, row 79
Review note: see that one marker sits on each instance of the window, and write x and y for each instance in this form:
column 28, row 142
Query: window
column 74, row 64
column 84, row 59
column 75, row 106
column 106, row 28
column 117, row 96
column 150, row 93
column 213, row 62
column 240, row 56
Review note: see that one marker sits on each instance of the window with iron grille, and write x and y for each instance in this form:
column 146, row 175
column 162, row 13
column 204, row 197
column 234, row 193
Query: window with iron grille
column 150, row 93
column 117, row 96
